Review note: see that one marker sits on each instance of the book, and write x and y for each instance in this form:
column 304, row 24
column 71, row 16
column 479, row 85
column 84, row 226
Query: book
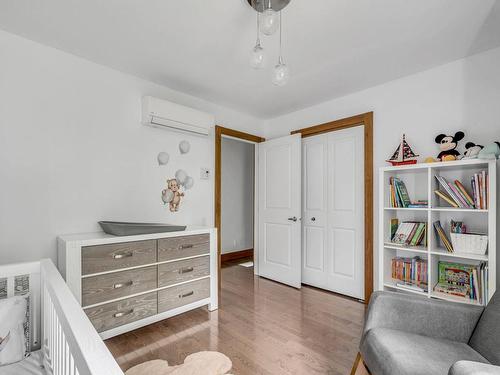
column 442, row 181
column 394, row 224
column 465, row 193
column 446, row 198
column 442, row 236
column 409, row 234
column 463, row 280
column 458, row 195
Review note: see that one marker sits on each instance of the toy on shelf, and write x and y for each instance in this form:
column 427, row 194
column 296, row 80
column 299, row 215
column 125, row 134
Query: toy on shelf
column 490, row 152
column 472, row 150
column 448, row 145
column 403, row 155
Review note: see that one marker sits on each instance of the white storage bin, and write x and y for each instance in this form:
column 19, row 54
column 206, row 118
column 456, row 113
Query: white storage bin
column 469, row 243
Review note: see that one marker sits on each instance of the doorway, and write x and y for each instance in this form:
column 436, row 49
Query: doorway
column 234, row 195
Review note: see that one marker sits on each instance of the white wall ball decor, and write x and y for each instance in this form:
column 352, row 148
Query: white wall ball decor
column 188, row 183
column 184, row 147
column 181, row 176
column 163, row 158
column 167, row 196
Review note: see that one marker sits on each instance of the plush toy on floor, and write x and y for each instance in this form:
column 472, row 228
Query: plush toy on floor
column 202, row 363
column 448, row 145
column 490, row 152
column 472, row 150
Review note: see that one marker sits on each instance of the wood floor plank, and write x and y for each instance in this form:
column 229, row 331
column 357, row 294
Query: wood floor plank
column 264, row 327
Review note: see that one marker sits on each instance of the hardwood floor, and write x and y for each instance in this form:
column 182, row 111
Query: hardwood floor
column 264, row 327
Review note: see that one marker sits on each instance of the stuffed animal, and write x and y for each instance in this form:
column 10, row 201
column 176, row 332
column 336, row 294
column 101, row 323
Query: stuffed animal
column 472, row 150
column 448, row 145
column 490, row 152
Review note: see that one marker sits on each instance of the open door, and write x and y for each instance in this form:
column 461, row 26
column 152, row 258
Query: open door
column 279, row 194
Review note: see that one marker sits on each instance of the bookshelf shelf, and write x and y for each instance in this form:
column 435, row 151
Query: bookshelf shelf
column 392, row 285
column 452, row 209
column 412, row 249
column 443, row 252
column 421, row 184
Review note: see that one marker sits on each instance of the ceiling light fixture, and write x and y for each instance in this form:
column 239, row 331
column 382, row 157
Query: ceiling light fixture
column 281, row 73
column 257, row 58
column 268, row 22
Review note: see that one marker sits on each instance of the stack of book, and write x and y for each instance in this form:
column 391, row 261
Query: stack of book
column 409, row 233
column 443, row 237
column 399, row 197
column 410, row 271
column 469, row 281
column 456, row 195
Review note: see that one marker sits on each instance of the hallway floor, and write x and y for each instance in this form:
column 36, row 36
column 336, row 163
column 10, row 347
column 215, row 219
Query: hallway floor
column 262, row 326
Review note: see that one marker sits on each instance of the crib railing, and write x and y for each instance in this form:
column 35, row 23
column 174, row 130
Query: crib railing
column 71, row 346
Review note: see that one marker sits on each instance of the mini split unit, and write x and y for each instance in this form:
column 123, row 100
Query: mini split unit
column 164, row 114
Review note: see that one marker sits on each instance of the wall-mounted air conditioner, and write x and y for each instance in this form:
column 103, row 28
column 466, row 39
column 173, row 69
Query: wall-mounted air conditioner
column 161, row 113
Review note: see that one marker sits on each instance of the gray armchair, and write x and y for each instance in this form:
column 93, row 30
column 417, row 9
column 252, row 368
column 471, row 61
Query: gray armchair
column 412, row 335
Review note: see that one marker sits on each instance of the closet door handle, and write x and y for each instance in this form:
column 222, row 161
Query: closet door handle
column 293, row 218
column 313, row 219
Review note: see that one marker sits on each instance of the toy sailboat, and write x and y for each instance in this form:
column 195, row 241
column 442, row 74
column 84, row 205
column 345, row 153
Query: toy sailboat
column 403, row 155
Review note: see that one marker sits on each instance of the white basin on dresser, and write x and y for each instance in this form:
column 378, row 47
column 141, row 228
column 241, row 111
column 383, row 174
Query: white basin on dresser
column 127, row 282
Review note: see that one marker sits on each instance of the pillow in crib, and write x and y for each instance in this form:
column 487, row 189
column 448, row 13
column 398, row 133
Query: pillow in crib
column 12, row 320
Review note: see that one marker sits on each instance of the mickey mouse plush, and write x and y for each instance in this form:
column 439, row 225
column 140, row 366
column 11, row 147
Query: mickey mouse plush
column 472, row 150
column 448, row 145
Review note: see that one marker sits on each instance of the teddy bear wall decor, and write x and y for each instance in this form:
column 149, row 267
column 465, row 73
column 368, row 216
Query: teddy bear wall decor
column 175, row 190
column 448, row 145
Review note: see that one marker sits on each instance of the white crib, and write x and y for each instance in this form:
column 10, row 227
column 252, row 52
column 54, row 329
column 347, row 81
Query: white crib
column 69, row 343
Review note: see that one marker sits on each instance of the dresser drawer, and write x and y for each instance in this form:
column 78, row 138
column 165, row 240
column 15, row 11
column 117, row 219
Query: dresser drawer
column 184, row 294
column 101, row 288
column 129, row 310
column 182, row 247
column 183, row 270
column 115, row 256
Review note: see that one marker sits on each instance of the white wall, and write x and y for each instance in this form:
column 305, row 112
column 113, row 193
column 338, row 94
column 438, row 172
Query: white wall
column 73, row 151
column 237, row 195
column 463, row 95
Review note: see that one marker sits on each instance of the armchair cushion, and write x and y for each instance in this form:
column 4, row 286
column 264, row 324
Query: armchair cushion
column 486, row 337
column 394, row 352
column 423, row 316
column 473, row 368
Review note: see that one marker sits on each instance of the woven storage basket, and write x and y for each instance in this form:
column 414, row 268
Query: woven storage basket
column 469, row 243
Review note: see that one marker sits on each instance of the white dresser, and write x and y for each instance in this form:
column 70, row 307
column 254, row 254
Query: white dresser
column 124, row 283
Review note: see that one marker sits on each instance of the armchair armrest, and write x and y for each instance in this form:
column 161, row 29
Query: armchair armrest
column 423, row 316
column 473, row 368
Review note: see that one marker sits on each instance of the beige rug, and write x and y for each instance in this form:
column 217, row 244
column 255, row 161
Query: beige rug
column 202, row 363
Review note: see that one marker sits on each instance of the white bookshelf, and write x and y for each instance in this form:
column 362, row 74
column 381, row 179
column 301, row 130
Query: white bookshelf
column 421, row 184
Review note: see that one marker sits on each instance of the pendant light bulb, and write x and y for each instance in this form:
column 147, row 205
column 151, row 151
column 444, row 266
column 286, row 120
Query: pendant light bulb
column 257, row 57
column 270, row 20
column 281, row 73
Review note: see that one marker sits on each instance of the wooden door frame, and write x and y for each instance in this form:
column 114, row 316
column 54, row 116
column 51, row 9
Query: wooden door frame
column 219, row 133
column 366, row 120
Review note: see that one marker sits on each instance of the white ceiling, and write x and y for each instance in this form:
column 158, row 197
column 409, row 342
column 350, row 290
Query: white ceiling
column 201, row 47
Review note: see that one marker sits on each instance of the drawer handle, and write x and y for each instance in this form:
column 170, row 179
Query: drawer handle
column 186, row 270
column 121, row 256
column 122, row 285
column 186, row 294
column 187, row 246
column 123, row 313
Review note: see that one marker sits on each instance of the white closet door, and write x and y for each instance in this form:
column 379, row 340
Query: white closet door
column 314, row 205
column 280, row 209
column 345, row 252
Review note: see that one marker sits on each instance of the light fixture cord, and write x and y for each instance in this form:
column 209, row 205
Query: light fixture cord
column 281, row 25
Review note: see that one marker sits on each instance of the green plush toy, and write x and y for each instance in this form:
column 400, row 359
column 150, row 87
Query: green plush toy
column 490, row 152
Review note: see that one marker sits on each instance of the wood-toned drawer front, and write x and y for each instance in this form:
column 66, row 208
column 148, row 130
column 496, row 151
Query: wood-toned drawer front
column 110, row 257
column 101, row 288
column 184, row 294
column 182, row 247
column 183, row 270
column 115, row 314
